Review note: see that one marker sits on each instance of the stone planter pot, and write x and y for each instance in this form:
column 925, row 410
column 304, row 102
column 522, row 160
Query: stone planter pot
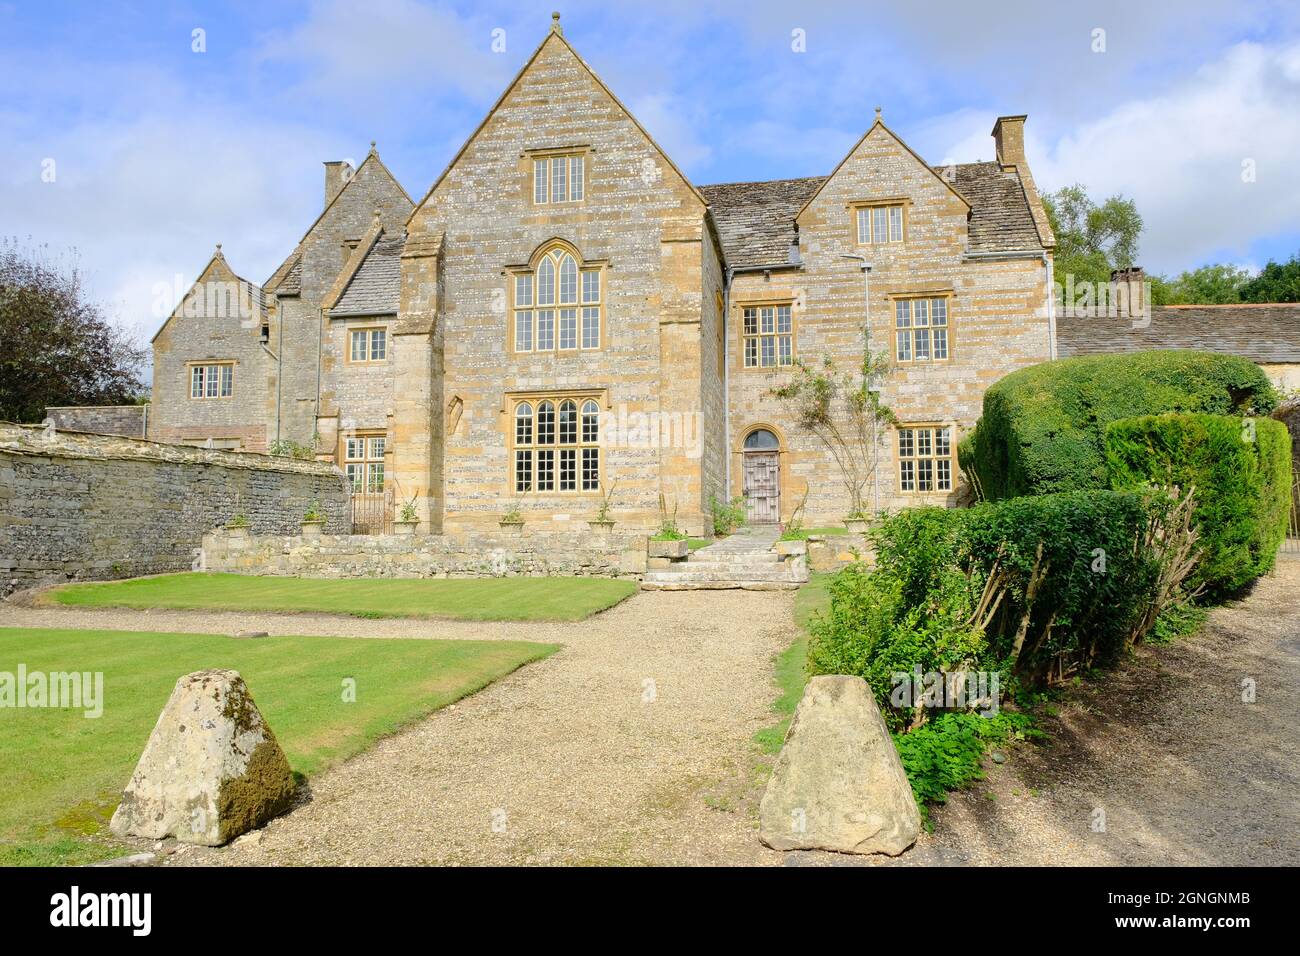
column 312, row 529
column 673, row 550
column 603, row 526
column 512, row 527
column 857, row 525
column 790, row 549
column 405, row 527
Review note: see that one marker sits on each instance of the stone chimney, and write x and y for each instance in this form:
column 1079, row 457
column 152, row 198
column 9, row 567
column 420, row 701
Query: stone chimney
column 337, row 175
column 1009, row 137
column 1128, row 292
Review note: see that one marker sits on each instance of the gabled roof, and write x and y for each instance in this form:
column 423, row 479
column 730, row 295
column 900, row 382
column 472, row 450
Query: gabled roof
column 1268, row 333
column 256, row 295
column 376, row 287
column 555, row 35
column 281, row 273
column 756, row 221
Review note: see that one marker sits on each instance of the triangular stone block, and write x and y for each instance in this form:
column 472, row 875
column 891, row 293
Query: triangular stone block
column 838, row 783
column 212, row 768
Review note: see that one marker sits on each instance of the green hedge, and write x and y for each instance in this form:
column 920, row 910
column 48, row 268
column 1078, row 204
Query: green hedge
column 916, row 608
column 1042, row 429
column 1241, row 469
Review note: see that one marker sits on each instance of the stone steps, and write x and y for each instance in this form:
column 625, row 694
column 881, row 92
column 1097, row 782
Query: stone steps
column 745, row 560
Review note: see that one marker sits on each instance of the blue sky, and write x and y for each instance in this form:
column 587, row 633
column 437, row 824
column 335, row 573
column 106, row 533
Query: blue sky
column 159, row 151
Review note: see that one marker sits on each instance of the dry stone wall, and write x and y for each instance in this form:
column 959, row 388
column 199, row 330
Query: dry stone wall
column 88, row 507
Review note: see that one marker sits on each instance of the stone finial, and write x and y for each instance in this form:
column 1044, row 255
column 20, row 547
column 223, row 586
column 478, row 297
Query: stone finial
column 372, row 147
column 218, row 252
column 879, row 119
column 555, row 23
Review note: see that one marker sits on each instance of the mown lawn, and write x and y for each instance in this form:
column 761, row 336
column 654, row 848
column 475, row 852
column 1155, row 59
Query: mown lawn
column 791, row 676
column 61, row 773
column 470, row 599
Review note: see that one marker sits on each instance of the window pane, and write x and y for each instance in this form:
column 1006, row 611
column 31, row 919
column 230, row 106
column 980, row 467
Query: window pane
column 227, row 380
column 785, row 348
column 196, row 381
column 523, row 471
column 591, row 285
column 925, row 474
column 376, row 448
column 590, row 423
column 576, row 177
column 378, row 345
column 864, row 225
column 539, row 180
column 546, row 282
column 921, row 312
column 923, row 446
column 545, row 469
column 903, row 313
column 783, row 318
column 907, row 475
column 895, row 223
column 212, row 382
column 769, row 350
column 559, row 180
column 545, row 330
column 546, row 423
column 568, row 328
column 751, row 321
column 568, row 422
column 355, row 449
column 523, row 331
column 751, row 353
column 590, row 469
column 524, row 424
column 767, row 323
column 523, row 290
column 375, row 482
column 591, row 328
column 878, row 228
column 943, row 441
column 938, row 311
column 922, row 344
column 356, row 474
column 905, row 445
column 568, row 469
column 940, row 344
column 943, row 474
column 568, row 281
column 904, row 345
column 358, row 346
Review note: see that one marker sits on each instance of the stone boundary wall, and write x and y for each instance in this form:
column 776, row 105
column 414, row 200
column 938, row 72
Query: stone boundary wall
column 90, row 507
column 474, row 554
column 128, row 421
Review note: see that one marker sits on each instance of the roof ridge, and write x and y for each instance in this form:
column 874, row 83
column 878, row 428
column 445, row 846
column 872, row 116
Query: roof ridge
column 762, row 182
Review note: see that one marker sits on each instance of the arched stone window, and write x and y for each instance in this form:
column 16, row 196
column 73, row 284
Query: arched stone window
column 760, row 439
column 556, row 445
column 559, row 305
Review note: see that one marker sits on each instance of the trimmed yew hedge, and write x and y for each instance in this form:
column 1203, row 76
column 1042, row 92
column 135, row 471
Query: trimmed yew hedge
column 1043, row 427
column 1241, row 471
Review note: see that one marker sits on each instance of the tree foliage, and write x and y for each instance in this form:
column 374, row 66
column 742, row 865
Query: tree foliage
column 1092, row 239
column 56, row 347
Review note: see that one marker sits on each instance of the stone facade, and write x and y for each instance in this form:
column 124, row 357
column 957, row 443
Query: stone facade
column 128, row 421
column 677, row 267
column 483, row 554
column 87, row 507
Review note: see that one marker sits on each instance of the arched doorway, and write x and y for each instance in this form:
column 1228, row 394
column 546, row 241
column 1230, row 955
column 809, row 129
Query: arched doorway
column 761, row 477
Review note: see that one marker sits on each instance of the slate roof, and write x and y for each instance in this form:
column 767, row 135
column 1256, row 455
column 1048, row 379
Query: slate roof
column 756, row 220
column 291, row 284
column 1262, row 333
column 376, row 288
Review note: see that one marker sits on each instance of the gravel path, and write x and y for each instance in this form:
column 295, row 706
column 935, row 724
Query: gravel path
column 632, row 745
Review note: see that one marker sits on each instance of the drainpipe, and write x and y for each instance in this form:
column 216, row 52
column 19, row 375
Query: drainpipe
column 865, row 266
column 279, row 364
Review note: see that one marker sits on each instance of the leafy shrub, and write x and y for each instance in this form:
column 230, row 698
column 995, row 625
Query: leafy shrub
column 1241, row 469
column 1042, row 429
column 727, row 515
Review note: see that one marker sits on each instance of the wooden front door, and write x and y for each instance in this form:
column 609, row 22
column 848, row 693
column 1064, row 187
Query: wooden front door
column 762, row 487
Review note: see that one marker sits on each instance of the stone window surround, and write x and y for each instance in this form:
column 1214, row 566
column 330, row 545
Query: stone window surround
column 950, row 457
column 569, row 153
column 512, row 400
column 369, row 327
column 857, row 206
column 946, row 294
column 208, row 364
column 512, row 274
column 765, row 303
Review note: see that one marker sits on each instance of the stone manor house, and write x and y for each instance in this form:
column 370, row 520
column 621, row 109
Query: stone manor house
column 564, row 314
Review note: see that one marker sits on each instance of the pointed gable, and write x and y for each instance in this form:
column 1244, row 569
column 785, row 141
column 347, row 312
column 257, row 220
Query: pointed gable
column 236, row 293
